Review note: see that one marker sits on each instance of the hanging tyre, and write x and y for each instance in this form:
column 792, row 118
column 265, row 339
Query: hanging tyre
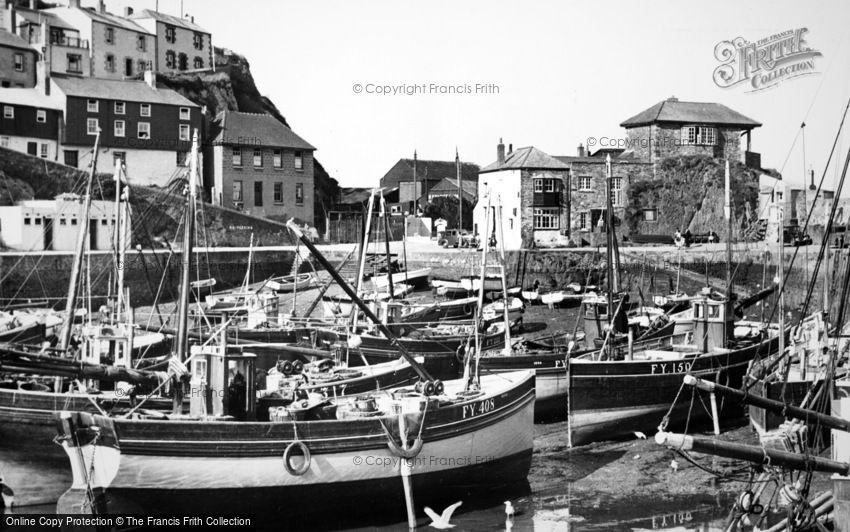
column 292, row 450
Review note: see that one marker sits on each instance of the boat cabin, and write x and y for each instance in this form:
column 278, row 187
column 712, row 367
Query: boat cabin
column 596, row 317
column 107, row 343
column 222, row 383
column 713, row 321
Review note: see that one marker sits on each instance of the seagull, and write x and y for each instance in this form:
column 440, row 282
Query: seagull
column 640, row 435
column 674, row 465
column 509, row 509
column 442, row 521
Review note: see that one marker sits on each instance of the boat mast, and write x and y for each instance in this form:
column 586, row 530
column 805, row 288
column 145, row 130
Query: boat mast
column 459, row 194
column 76, row 269
column 609, row 242
column 116, row 313
column 364, row 243
column 384, row 215
column 500, row 235
column 780, row 277
column 186, row 259
column 727, row 211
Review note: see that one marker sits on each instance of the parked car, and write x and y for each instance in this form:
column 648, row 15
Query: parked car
column 795, row 236
column 456, row 238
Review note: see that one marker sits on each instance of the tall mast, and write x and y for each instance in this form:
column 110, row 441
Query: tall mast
column 780, row 273
column 82, row 235
column 364, row 244
column 415, row 194
column 609, row 241
column 385, row 216
column 116, row 228
column 459, row 194
column 186, row 262
column 727, row 210
column 123, row 229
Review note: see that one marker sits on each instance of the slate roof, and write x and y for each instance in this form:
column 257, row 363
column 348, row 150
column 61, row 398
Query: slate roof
column 104, row 18
column 168, row 19
column 52, row 19
column 114, row 89
column 427, row 171
column 450, row 184
column 672, row 110
column 234, row 127
column 12, row 40
column 28, row 97
column 526, row 158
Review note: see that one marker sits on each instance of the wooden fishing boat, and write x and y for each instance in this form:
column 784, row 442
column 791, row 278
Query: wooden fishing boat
column 455, row 309
column 463, row 437
column 288, row 283
column 495, row 311
column 341, row 305
column 473, row 283
column 606, row 398
column 28, row 332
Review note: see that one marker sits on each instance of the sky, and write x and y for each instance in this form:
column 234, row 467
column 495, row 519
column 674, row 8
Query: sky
column 564, row 71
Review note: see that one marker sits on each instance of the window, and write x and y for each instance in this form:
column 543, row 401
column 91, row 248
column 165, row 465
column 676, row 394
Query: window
column 237, row 191
column 198, row 41
column 142, row 65
column 185, row 113
column 538, row 185
column 75, row 63
column 44, row 151
column 258, row 193
column 585, row 184
column 616, row 191
column 258, row 157
column 237, row 157
column 278, row 192
column 119, row 128
column 145, row 109
column 182, row 158
column 184, row 132
column 119, row 157
column 8, row 111
column 27, row 221
column 92, row 126
column 170, row 59
column 299, row 193
column 277, row 158
column 198, row 63
column 551, row 185
column 109, row 37
column 38, row 221
column 183, row 61
column 170, row 34
column 73, row 221
column 70, row 157
column 63, row 221
column 547, row 217
column 4, row 142
column 19, row 62
column 41, row 116
column 120, row 108
column 699, row 135
column 299, row 161
column 583, row 221
column 144, row 130
column 650, row 215
column 92, row 106
column 110, row 63
column 128, row 67
column 141, row 43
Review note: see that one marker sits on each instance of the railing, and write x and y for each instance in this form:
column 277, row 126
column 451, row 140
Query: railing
column 73, row 42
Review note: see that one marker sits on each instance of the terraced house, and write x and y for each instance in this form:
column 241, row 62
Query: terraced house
column 118, row 48
column 180, row 43
column 258, row 165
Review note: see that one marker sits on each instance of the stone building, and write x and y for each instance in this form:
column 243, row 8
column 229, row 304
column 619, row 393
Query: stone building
column 180, row 43
column 587, row 186
column 415, row 178
column 258, row 165
column 671, row 128
column 532, row 189
column 17, row 61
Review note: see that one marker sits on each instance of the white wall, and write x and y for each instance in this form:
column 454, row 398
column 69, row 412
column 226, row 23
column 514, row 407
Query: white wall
column 64, row 219
column 20, row 144
column 503, row 188
column 144, row 167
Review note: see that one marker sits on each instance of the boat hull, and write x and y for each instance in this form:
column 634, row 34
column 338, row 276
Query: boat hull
column 155, row 467
column 607, row 399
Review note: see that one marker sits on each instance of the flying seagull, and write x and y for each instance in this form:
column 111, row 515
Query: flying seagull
column 442, row 521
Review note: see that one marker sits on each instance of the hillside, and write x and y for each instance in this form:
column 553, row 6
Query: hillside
column 231, row 87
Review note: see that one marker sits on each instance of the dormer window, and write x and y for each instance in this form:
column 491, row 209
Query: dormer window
column 699, row 135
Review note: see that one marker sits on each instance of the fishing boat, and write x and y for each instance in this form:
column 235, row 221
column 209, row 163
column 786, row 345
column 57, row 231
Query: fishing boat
column 288, row 283
column 309, row 462
column 22, row 329
column 418, row 278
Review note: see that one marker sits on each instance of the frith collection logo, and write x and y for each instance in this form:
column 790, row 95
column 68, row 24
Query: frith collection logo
column 765, row 63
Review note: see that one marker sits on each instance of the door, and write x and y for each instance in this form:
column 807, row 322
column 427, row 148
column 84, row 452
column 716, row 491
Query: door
column 47, row 223
column 92, row 234
column 71, row 158
column 128, row 67
column 32, row 148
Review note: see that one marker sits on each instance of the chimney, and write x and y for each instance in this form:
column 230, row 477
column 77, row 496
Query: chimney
column 672, row 99
column 510, row 148
column 500, row 153
column 33, row 4
column 580, row 151
column 150, row 79
column 74, row 3
column 11, row 24
column 128, row 11
column 101, row 6
column 812, row 186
